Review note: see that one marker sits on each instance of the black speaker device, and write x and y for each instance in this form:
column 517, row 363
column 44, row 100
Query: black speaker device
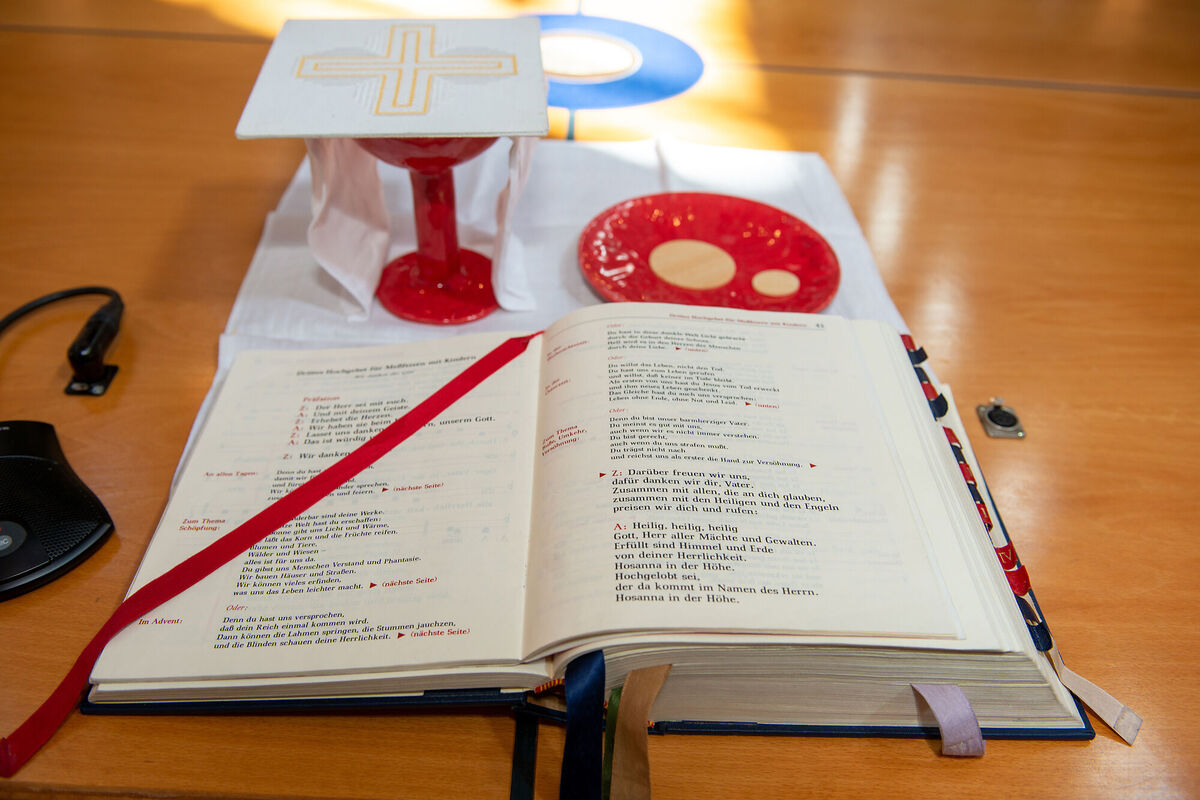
column 50, row 521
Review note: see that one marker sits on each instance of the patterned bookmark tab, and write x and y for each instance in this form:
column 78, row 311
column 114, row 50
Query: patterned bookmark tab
column 955, row 718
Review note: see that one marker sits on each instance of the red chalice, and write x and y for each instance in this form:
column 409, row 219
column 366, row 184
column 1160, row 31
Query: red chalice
column 439, row 283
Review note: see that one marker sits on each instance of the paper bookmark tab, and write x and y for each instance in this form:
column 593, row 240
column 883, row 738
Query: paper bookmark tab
column 631, row 754
column 1124, row 721
column 955, row 718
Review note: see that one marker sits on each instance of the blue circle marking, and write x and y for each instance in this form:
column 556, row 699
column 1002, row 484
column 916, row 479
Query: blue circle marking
column 667, row 66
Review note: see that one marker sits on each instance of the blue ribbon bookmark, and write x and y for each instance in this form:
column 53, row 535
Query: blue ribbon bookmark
column 524, row 758
column 584, row 744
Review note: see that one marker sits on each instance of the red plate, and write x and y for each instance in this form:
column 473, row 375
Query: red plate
column 708, row 249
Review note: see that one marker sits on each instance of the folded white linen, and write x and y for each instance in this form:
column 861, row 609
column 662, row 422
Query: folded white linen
column 287, row 296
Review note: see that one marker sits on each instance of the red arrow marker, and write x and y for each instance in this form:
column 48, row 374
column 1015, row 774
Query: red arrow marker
column 602, row 474
column 399, row 635
column 372, row 586
column 385, row 488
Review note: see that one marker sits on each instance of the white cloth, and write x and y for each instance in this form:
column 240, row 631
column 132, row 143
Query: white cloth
column 348, row 232
column 288, row 300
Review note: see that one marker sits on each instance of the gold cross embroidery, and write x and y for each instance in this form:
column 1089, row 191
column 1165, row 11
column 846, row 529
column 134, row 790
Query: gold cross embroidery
column 406, row 72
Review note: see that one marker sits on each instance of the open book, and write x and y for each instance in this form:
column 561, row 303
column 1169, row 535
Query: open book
column 762, row 500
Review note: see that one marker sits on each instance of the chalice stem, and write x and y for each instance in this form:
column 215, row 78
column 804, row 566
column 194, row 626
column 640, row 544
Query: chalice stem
column 437, row 228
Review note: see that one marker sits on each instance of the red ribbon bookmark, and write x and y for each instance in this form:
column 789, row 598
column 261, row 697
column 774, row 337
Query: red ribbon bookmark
column 26, row 740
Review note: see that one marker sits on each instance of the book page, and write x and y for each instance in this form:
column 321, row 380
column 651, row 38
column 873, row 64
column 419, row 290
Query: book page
column 704, row 469
column 417, row 561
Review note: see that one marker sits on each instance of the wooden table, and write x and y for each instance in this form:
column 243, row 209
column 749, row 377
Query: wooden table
column 1028, row 175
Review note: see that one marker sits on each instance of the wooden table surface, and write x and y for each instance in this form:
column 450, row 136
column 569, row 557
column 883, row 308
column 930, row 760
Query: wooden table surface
column 1027, row 174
